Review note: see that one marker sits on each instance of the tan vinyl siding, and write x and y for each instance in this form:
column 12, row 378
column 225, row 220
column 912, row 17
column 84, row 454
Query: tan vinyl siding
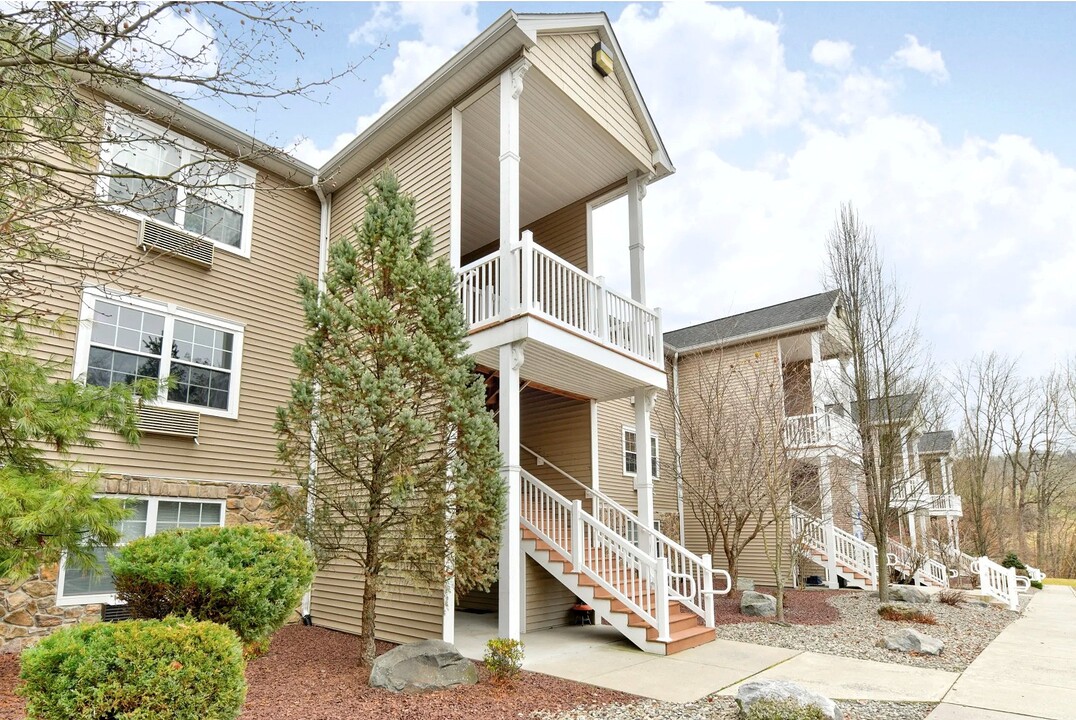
column 405, row 612
column 613, row 416
column 423, row 166
column 548, row 601
column 564, row 233
column 752, row 562
column 566, row 60
column 258, row 292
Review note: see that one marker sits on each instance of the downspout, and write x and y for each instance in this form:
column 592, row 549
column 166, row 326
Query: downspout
column 323, row 258
column 677, row 449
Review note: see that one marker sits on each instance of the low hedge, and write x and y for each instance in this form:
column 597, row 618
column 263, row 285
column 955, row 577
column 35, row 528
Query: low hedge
column 248, row 578
column 135, row 670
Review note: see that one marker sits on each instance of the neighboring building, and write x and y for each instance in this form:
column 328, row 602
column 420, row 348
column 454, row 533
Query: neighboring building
column 799, row 343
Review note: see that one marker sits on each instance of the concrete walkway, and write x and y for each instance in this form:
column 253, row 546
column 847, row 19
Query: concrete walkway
column 1028, row 671
column 600, row 656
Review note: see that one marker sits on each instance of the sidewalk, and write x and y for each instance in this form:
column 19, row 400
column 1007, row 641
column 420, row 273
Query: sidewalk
column 599, row 656
column 1029, row 671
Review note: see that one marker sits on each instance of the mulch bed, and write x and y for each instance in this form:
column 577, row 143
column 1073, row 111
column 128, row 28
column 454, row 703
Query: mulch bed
column 802, row 607
column 311, row 673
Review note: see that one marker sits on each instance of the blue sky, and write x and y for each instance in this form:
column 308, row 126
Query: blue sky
column 950, row 126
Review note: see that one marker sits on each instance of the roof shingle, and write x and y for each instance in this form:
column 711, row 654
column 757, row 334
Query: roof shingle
column 794, row 312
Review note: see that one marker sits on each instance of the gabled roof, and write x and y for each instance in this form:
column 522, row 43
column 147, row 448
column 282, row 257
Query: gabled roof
column 494, row 47
column 895, row 408
column 936, row 443
column 800, row 314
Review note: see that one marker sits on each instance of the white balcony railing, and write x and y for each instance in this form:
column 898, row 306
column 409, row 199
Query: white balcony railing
column 944, row 505
column 819, row 430
column 538, row 282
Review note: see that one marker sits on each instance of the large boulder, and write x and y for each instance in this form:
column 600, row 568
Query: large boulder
column 758, row 604
column 782, row 691
column 422, row 666
column 908, row 594
column 908, row 640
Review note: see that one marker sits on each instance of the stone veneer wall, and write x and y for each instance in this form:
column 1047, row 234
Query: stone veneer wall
column 29, row 607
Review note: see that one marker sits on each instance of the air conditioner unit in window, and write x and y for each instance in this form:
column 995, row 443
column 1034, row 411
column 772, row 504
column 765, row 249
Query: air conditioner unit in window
column 154, row 420
column 175, row 242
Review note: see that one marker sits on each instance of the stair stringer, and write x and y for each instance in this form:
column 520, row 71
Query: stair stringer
column 602, row 606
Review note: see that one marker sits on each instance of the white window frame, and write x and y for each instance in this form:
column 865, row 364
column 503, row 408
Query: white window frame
column 151, row 529
column 171, row 312
column 188, row 151
column 655, row 445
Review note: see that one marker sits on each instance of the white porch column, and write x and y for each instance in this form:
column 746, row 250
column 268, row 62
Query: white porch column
column 826, row 489
column 636, row 193
column 510, row 582
column 644, row 480
column 511, row 89
column 816, row 364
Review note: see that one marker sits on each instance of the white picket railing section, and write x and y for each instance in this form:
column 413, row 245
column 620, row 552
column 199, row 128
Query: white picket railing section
column 944, row 505
column 918, row 564
column 851, row 552
column 998, row 582
column 479, row 284
column 819, row 430
column 954, row 559
column 542, row 283
column 690, row 577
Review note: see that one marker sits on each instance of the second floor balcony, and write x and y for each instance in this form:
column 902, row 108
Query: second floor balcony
column 816, row 431
column 530, row 293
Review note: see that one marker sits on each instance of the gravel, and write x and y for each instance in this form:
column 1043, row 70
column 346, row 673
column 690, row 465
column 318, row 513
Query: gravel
column 964, row 630
column 721, row 707
column 802, row 607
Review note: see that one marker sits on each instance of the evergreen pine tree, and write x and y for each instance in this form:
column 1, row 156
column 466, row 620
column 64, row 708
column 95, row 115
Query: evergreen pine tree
column 388, row 404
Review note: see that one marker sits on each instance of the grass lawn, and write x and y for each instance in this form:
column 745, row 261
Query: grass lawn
column 1070, row 582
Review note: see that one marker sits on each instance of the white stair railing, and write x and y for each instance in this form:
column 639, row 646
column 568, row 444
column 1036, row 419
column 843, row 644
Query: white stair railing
column 639, row 580
column 998, row 582
column 851, row 552
column 918, row 564
column 690, row 576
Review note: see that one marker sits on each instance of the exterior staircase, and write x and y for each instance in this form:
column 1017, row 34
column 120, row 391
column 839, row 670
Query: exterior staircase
column 917, row 566
column 854, row 560
column 658, row 594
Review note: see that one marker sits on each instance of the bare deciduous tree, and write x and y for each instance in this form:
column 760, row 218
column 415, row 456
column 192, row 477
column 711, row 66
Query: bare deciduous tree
column 884, row 374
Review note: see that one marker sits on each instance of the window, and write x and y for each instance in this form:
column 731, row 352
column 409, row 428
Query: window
column 148, row 516
column 124, row 339
column 157, row 174
column 631, row 454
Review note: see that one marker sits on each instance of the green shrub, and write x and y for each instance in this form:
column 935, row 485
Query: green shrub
column 247, row 578
column 177, row 668
column 504, row 658
column 1036, row 584
column 1012, row 561
column 782, row 710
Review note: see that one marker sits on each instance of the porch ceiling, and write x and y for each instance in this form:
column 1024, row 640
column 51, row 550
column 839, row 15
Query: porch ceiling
column 565, row 156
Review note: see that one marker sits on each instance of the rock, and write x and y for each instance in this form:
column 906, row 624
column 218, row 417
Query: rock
column 19, row 617
column 981, row 604
column 17, row 599
column 908, row 640
column 745, row 584
column 758, row 604
column 422, row 666
column 908, row 594
column 777, row 690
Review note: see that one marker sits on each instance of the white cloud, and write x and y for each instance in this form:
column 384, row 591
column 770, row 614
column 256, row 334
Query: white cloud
column 921, row 59
column 442, row 30
column 979, row 231
column 835, row 54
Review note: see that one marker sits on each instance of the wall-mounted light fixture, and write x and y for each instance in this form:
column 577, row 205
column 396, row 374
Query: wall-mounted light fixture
column 601, row 59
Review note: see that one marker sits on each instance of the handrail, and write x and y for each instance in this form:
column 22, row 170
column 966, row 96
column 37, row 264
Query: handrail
column 683, row 562
column 999, row 582
column 857, row 554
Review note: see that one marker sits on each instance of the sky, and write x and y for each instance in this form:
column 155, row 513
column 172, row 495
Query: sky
column 948, row 126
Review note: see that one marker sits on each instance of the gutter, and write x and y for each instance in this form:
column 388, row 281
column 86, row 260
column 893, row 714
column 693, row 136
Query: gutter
column 323, row 260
